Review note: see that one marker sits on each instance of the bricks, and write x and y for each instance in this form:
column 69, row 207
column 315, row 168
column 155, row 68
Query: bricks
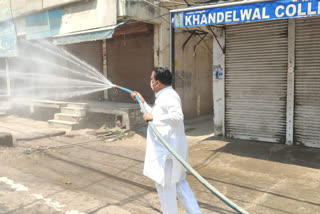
column 6, row 139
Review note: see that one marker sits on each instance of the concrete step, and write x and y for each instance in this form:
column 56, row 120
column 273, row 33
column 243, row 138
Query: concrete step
column 74, row 111
column 68, row 117
column 63, row 124
column 77, row 105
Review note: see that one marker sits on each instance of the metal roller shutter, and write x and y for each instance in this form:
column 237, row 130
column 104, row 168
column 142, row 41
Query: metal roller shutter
column 130, row 63
column 256, row 81
column 307, row 82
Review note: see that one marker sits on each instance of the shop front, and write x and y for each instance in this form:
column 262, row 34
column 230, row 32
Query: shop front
column 266, row 57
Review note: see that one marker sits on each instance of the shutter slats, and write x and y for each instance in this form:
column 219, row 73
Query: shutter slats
column 130, row 62
column 307, row 82
column 256, row 64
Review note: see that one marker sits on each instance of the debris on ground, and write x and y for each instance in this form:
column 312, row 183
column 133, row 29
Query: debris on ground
column 110, row 135
column 114, row 135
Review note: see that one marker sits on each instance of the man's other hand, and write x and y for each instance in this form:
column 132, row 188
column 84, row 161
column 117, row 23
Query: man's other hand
column 133, row 94
column 148, row 117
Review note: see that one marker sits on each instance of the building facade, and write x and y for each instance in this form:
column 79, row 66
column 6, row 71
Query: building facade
column 266, row 68
column 122, row 39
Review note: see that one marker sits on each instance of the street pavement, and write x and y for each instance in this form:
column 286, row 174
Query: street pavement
column 101, row 176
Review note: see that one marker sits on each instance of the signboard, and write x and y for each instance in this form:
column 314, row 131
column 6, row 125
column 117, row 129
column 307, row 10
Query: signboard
column 8, row 40
column 261, row 11
column 43, row 25
column 5, row 12
column 23, row 7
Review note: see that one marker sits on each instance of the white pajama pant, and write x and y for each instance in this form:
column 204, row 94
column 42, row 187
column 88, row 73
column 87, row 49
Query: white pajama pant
column 169, row 192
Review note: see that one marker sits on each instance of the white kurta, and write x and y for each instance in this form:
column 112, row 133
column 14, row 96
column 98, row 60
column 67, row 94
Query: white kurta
column 168, row 119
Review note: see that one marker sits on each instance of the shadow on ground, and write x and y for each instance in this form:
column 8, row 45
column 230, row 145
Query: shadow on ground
column 297, row 155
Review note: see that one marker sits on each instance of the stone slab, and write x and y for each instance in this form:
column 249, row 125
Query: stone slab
column 27, row 129
column 6, row 139
column 39, row 135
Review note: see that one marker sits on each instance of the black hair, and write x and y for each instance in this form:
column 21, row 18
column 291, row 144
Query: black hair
column 163, row 75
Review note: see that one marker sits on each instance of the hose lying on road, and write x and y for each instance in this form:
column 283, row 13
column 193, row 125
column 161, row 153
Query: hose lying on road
column 184, row 163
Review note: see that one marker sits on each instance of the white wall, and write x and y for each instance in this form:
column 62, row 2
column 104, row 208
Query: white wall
column 219, row 84
column 193, row 66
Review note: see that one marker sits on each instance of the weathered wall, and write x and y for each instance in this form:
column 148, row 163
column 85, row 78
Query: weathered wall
column 25, row 7
column 194, row 74
column 88, row 15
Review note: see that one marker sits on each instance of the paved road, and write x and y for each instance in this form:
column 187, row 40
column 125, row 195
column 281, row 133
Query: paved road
column 106, row 177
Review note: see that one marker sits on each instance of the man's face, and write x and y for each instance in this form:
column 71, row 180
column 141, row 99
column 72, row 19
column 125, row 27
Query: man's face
column 154, row 83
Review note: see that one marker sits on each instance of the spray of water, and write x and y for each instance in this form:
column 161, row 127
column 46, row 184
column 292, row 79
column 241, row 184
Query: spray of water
column 45, row 71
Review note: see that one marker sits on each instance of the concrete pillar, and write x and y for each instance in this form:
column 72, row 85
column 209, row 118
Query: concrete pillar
column 219, row 82
column 105, row 65
column 8, row 78
column 290, row 81
column 162, row 44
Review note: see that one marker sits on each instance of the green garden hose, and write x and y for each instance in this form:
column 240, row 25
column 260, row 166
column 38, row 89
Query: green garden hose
column 184, row 163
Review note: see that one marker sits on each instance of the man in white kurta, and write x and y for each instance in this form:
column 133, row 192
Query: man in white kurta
column 160, row 165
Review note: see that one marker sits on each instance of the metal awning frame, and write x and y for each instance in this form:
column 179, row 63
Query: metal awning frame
column 87, row 35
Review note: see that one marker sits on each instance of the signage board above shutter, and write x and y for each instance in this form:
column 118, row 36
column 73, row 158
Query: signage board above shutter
column 244, row 11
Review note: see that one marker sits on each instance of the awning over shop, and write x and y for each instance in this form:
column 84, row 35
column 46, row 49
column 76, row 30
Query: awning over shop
column 243, row 11
column 84, row 36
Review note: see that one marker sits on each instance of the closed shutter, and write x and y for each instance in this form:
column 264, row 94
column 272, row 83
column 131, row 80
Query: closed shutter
column 307, row 82
column 130, row 64
column 256, row 81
